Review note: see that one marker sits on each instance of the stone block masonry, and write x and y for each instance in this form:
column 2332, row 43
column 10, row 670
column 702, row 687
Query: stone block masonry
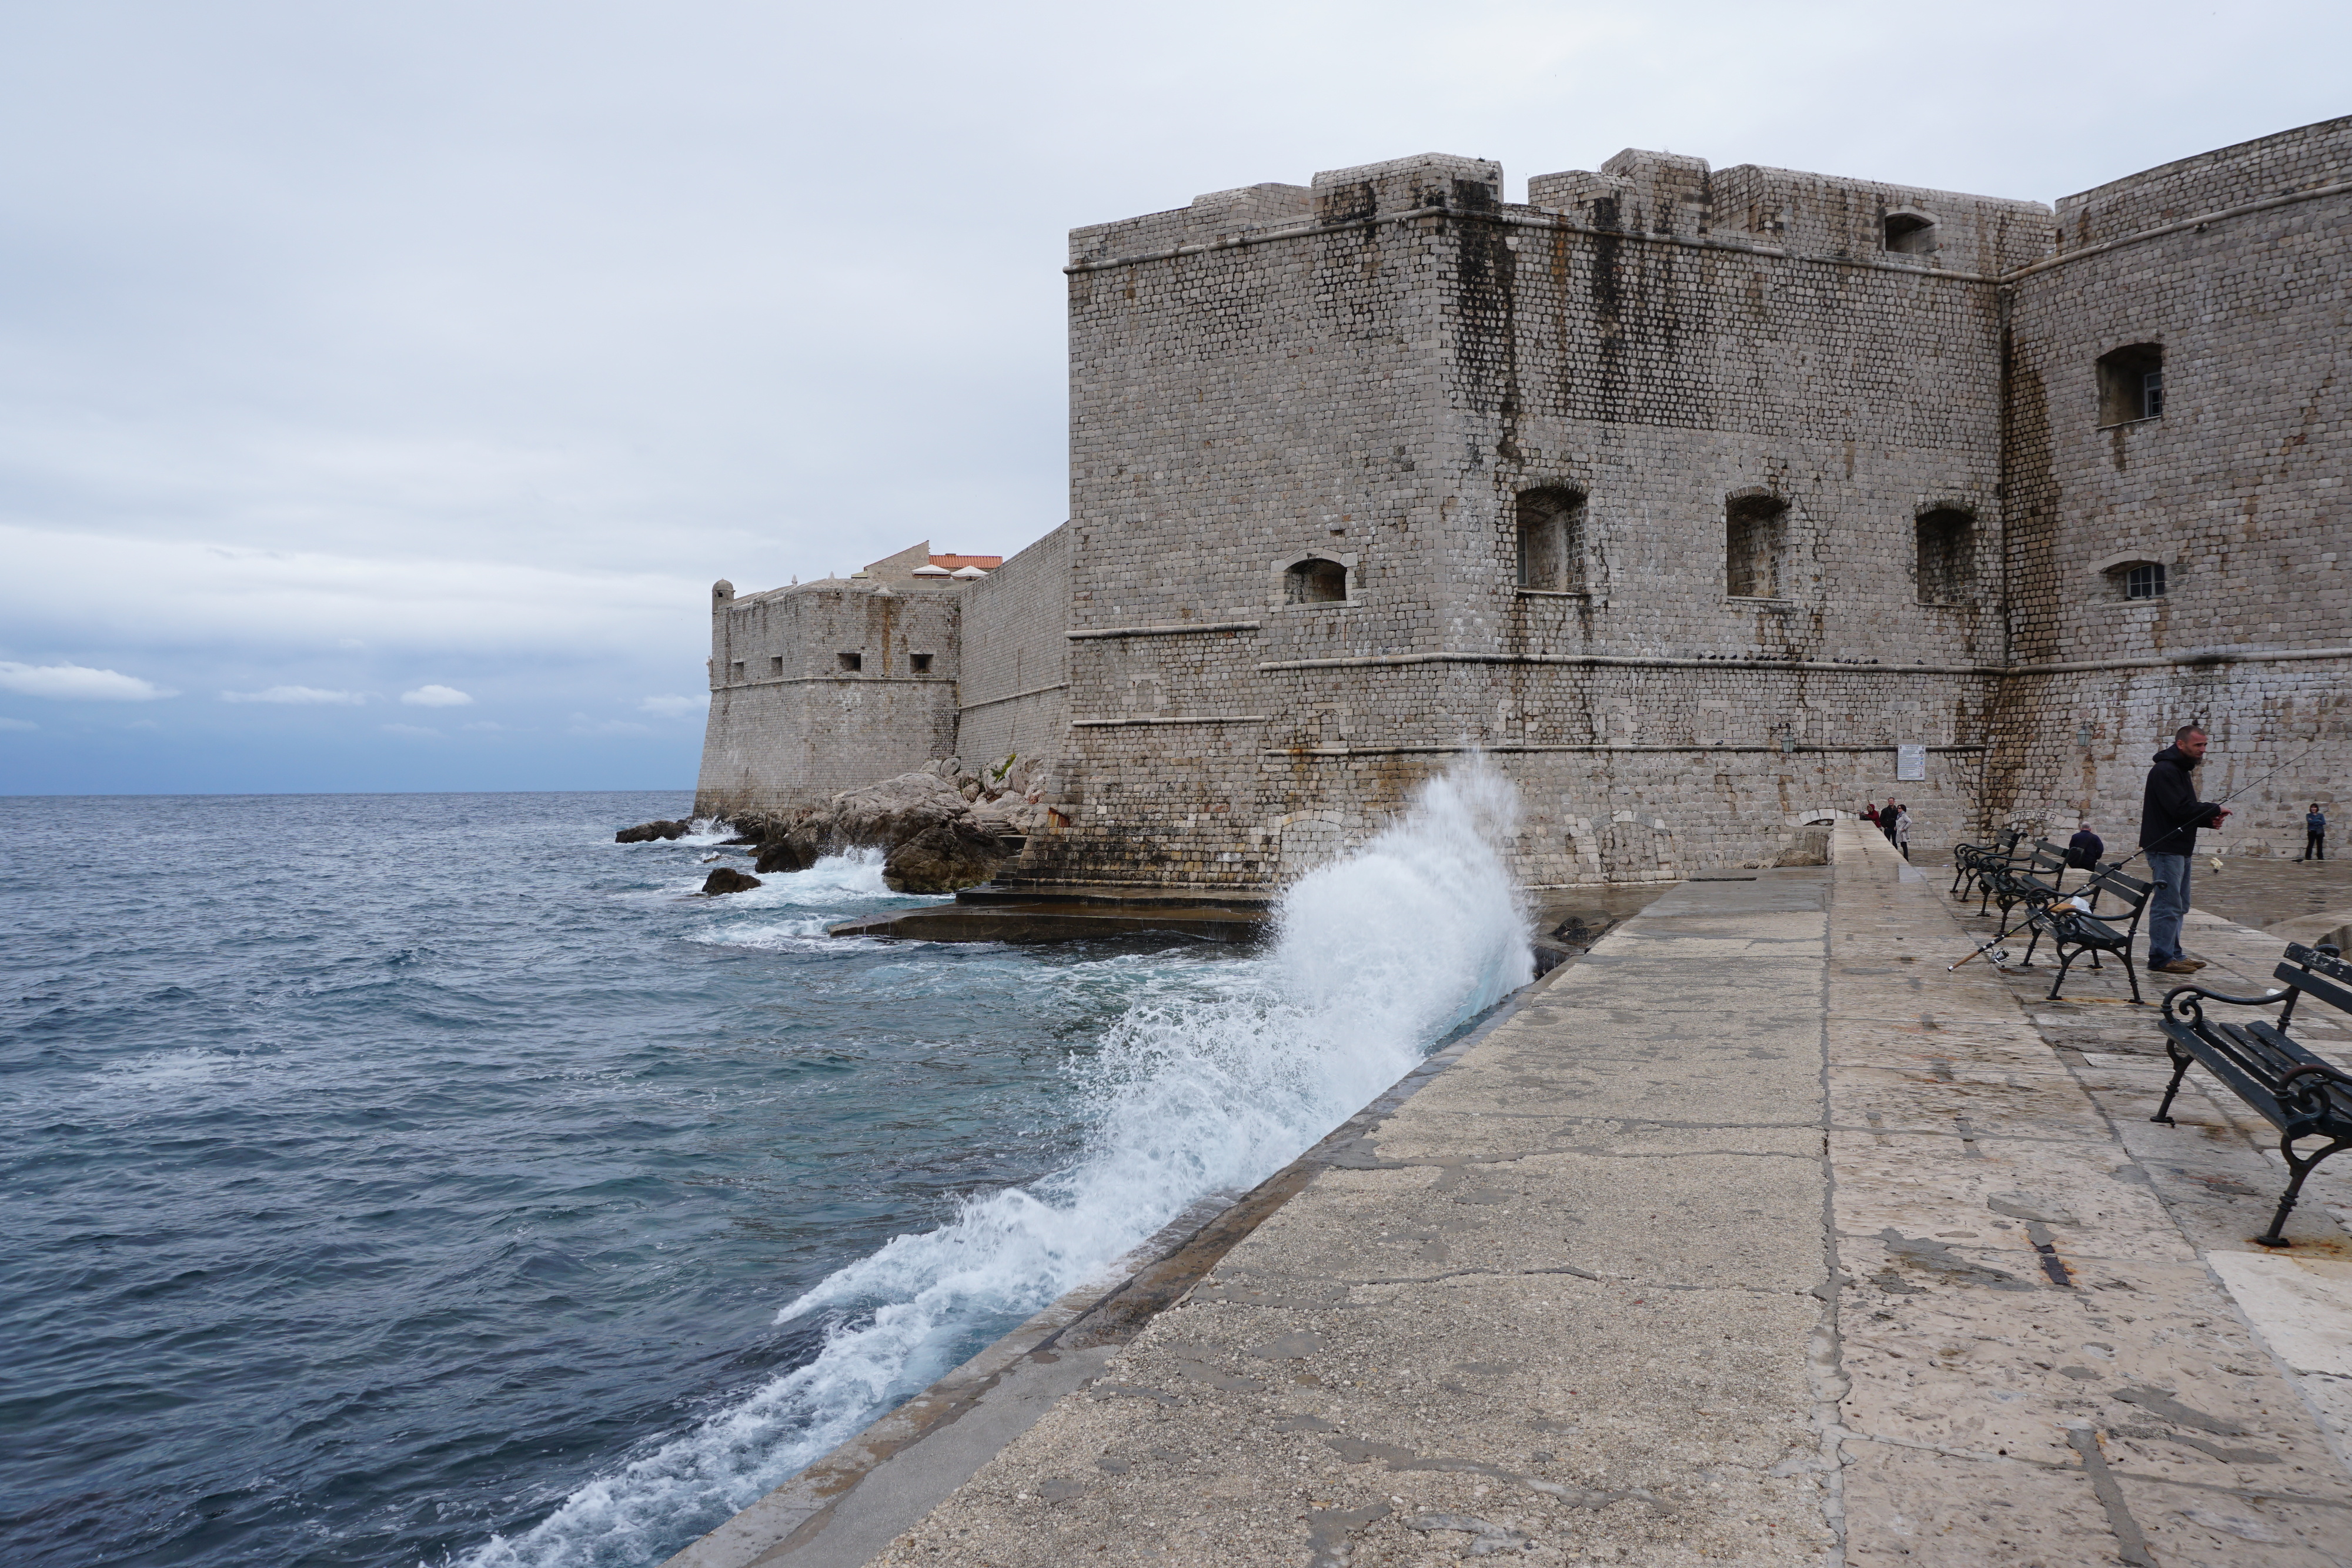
column 1687, row 495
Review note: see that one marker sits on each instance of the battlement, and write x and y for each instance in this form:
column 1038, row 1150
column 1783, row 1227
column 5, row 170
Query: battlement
column 1805, row 213
column 2309, row 157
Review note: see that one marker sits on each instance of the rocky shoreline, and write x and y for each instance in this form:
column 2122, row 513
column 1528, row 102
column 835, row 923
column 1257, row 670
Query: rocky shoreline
column 942, row 828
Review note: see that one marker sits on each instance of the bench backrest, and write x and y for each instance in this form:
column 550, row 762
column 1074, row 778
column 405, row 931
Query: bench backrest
column 2115, row 884
column 2320, row 973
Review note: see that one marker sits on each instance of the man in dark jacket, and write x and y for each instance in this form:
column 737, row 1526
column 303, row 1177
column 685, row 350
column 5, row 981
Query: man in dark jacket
column 2170, row 817
column 2315, row 834
column 2084, row 850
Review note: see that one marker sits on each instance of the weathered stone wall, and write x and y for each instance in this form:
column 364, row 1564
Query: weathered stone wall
column 2238, row 490
column 1303, row 419
column 1380, row 391
column 1015, row 691
column 790, row 726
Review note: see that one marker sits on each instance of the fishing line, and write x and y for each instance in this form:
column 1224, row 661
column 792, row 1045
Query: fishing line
column 1991, row 948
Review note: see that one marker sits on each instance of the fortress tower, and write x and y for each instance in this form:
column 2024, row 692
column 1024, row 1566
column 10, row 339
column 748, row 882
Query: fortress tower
column 1687, row 495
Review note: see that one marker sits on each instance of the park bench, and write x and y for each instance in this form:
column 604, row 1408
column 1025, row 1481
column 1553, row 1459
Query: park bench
column 2294, row 1090
column 2035, row 882
column 2071, row 923
column 1969, row 861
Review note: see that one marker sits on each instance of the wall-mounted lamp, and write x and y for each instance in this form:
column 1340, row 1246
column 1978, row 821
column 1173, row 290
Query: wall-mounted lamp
column 1787, row 743
column 2083, row 739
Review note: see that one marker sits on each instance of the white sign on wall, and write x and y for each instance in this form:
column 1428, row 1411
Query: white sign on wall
column 1910, row 762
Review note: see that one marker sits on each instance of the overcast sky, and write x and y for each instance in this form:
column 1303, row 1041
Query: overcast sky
column 382, row 387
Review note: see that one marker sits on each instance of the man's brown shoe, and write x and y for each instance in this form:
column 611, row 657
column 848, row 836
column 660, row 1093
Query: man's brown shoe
column 2178, row 967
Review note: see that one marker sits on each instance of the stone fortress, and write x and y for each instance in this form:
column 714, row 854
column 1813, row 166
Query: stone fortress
column 1687, row 495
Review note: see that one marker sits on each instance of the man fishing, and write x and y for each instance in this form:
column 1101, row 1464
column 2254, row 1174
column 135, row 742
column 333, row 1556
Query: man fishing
column 2170, row 816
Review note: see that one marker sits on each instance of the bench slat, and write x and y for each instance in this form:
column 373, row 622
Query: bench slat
column 2327, row 990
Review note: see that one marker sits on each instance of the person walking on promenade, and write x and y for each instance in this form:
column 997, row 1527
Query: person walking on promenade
column 2084, row 850
column 1903, row 830
column 2170, row 817
column 1870, row 813
column 1886, row 819
column 2315, row 834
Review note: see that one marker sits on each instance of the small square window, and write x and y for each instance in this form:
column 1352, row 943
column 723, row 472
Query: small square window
column 851, row 663
column 2145, row 581
column 919, row 663
column 736, row 671
column 2131, row 384
column 776, row 664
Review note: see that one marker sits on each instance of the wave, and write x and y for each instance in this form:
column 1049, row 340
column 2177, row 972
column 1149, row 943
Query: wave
column 1379, row 955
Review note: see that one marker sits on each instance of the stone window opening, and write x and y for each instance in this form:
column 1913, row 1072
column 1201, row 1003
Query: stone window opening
column 1910, row 234
column 2143, row 579
column 2131, row 384
column 1947, row 558
column 1315, row 580
column 1754, row 545
column 736, row 669
column 852, row 664
column 921, row 664
column 1551, row 541
column 776, row 664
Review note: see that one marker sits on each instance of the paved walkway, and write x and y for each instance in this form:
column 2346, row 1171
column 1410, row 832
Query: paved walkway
column 1753, row 1237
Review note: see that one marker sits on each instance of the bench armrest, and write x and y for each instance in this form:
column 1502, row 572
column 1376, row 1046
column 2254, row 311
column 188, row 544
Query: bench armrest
column 2305, row 1087
column 2193, row 1009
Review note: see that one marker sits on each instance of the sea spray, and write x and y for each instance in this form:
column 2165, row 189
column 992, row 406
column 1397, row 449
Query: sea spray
column 1379, row 954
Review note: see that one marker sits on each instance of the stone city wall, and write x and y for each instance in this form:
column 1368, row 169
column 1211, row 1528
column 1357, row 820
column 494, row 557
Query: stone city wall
column 1015, row 690
column 2235, row 489
column 791, row 724
column 1812, row 467
column 1380, row 395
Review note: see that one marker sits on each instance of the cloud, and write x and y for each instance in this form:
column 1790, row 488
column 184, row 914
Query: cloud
column 77, row 682
column 582, row 725
column 17, row 724
column 298, row 696
column 674, row 708
column 413, row 731
column 437, row 697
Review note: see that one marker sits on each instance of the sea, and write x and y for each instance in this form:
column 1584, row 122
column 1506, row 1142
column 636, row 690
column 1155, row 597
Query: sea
column 429, row 1179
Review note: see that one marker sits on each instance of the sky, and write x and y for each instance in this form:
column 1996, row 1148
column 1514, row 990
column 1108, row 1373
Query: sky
column 383, row 387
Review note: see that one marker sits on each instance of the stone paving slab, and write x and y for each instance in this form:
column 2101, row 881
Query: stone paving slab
column 1758, row 1236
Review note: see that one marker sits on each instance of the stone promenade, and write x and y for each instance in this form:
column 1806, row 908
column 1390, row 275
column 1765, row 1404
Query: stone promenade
column 1753, row 1237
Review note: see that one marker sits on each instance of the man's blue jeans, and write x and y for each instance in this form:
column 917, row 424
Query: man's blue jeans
column 2166, row 907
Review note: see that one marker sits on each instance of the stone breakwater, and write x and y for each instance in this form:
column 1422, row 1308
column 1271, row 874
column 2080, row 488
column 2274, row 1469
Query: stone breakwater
column 1754, row 1236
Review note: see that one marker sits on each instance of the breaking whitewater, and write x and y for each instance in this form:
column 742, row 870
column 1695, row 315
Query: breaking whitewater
column 1200, row 1089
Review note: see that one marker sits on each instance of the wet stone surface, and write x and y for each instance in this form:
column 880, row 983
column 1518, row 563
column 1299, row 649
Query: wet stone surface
column 1758, row 1234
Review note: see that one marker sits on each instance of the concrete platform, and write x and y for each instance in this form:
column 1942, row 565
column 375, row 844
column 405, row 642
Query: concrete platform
column 1753, row 1237
column 1060, row 913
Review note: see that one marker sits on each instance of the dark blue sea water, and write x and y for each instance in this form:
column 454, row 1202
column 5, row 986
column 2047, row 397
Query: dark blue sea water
column 427, row 1179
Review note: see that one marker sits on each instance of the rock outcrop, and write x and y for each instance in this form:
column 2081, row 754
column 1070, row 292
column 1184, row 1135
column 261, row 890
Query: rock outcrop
column 646, row 832
column 727, row 879
column 791, row 852
column 944, row 857
column 950, row 821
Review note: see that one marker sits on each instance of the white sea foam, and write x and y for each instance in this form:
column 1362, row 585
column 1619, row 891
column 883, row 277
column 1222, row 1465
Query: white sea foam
column 1380, row 955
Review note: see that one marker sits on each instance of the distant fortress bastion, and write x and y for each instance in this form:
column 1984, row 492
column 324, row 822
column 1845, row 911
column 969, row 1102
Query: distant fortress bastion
column 1705, row 503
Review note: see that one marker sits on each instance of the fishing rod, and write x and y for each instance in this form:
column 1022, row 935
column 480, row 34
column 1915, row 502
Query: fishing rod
column 2225, row 801
column 1990, row 948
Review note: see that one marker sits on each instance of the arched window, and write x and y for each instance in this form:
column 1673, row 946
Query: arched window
column 1315, row 581
column 2131, row 383
column 1910, row 234
column 1947, row 540
column 1755, row 544
column 1551, row 541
